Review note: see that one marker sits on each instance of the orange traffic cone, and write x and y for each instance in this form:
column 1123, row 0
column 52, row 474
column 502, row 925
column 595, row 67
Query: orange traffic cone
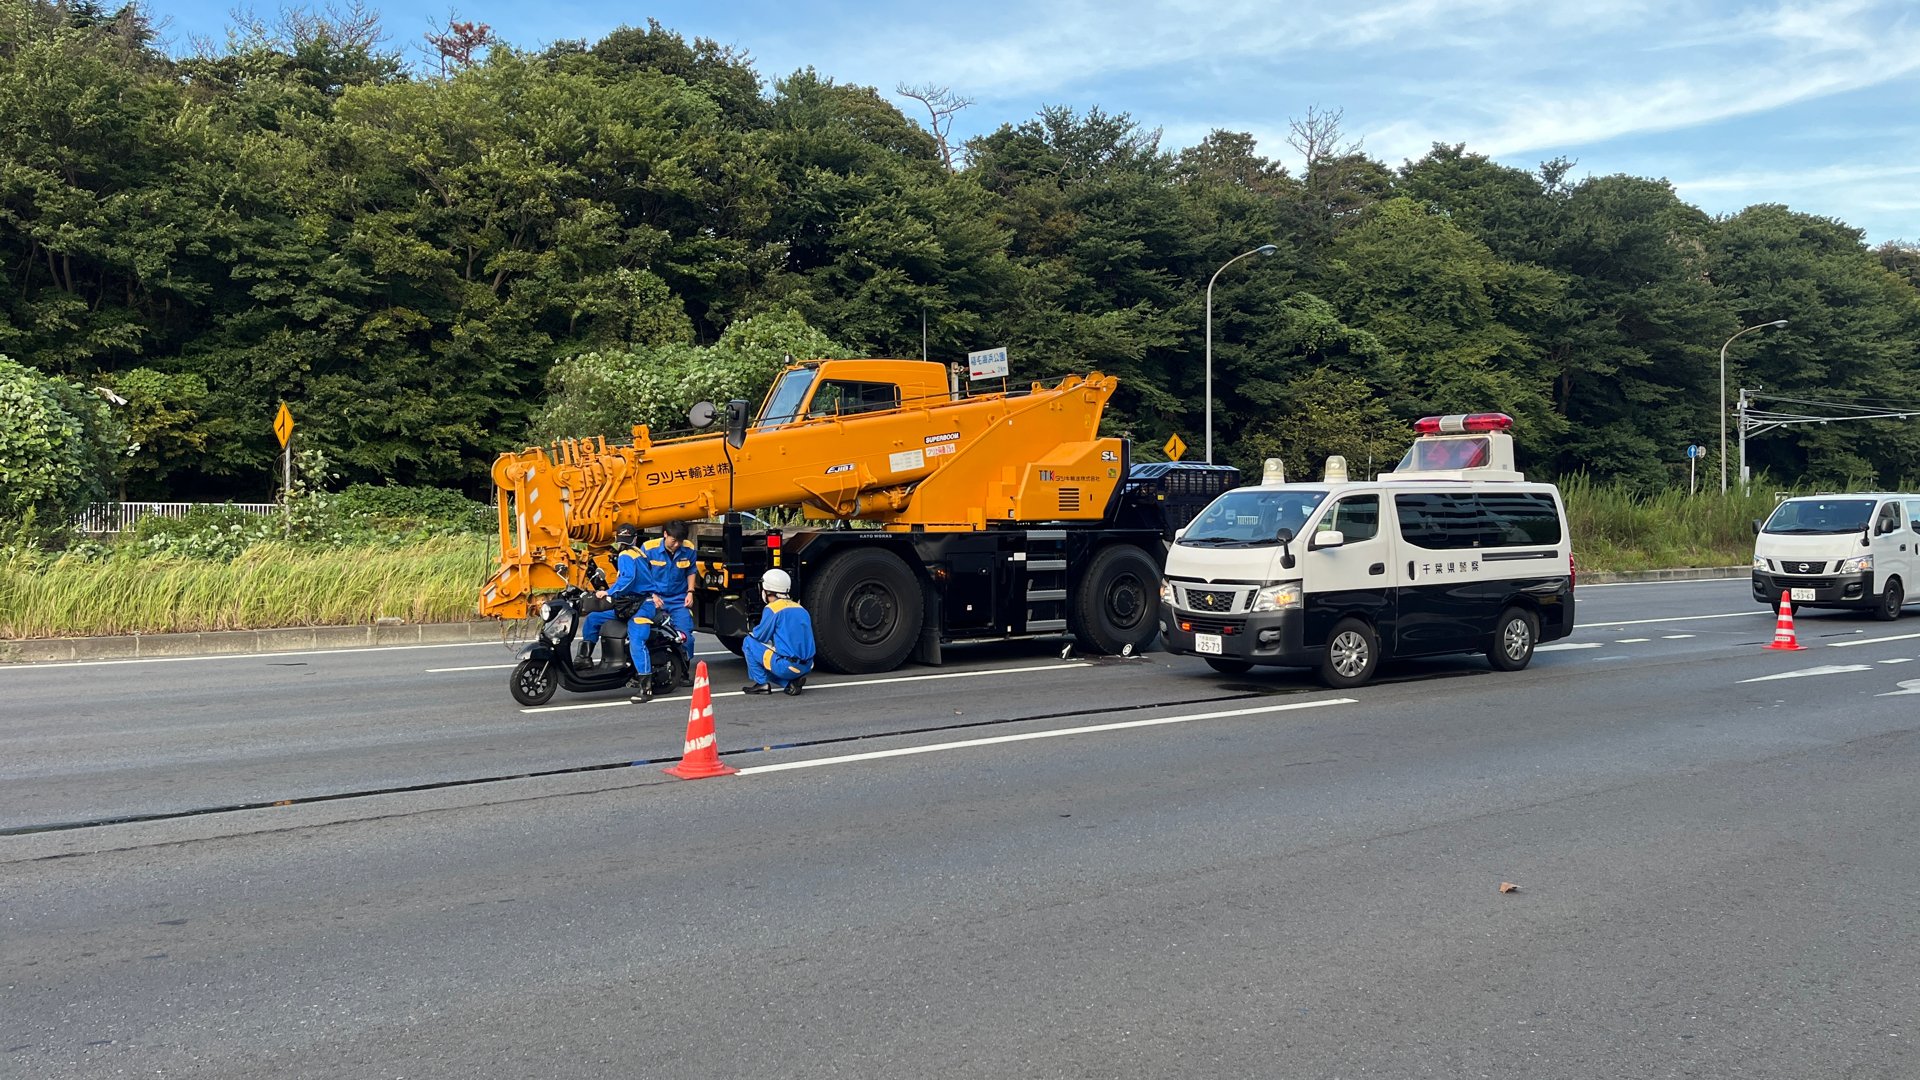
column 701, row 758
column 1782, row 629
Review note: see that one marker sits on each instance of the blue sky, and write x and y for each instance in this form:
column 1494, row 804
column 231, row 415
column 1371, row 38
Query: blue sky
column 1812, row 103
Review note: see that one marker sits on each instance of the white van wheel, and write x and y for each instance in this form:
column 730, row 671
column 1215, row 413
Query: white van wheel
column 1353, row 652
column 1513, row 640
column 1891, row 601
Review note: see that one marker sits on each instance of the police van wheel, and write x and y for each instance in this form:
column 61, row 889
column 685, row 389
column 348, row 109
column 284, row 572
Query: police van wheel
column 1229, row 667
column 533, row 682
column 1891, row 601
column 1117, row 601
column 1513, row 640
column 867, row 610
column 1353, row 653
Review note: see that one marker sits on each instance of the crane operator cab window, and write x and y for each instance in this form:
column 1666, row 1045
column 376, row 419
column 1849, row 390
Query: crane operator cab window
column 783, row 405
column 842, row 397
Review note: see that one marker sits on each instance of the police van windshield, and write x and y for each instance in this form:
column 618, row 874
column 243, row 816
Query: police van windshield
column 1252, row 517
column 1816, row 517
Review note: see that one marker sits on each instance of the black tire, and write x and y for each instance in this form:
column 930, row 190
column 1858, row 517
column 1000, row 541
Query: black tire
column 733, row 644
column 1115, row 607
column 867, row 612
column 1228, row 667
column 1353, row 655
column 533, row 682
column 1891, row 601
column 1514, row 636
column 670, row 673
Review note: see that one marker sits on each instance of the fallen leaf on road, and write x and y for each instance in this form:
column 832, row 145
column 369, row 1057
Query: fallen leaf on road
column 1508, row 886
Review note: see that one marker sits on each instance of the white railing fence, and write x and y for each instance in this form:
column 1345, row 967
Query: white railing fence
column 105, row 519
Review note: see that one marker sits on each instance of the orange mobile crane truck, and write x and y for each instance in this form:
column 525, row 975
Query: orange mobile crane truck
column 943, row 517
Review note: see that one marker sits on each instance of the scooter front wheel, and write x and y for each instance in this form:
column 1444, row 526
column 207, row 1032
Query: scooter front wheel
column 533, row 682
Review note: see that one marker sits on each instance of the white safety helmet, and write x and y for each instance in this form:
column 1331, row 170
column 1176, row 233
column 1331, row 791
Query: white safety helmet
column 777, row 581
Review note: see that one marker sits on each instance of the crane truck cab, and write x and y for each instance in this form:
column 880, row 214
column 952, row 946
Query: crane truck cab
column 1451, row 552
column 1856, row 552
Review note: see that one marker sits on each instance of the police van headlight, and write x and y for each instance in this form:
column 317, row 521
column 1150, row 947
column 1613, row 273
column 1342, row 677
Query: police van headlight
column 1166, row 592
column 1277, row 598
column 1856, row 565
column 1760, row 563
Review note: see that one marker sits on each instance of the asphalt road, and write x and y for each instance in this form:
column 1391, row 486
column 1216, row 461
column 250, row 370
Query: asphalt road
column 1060, row 867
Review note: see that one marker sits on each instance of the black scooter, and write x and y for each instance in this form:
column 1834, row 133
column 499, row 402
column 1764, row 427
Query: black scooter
column 549, row 663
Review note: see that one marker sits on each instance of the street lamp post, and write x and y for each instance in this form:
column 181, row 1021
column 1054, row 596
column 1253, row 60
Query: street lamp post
column 1263, row 249
column 1723, row 395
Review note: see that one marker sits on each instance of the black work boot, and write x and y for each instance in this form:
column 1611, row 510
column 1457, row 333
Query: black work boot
column 583, row 655
column 756, row 688
column 796, row 687
column 643, row 689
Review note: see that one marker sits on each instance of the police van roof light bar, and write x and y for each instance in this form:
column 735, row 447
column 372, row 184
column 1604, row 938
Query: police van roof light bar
column 1462, row 423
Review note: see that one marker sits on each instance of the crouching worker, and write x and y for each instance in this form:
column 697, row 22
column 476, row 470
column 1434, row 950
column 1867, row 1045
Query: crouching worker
column 779, row 652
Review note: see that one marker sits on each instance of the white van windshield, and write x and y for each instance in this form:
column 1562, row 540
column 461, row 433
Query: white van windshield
column 1252, row 517
column 1819, row 517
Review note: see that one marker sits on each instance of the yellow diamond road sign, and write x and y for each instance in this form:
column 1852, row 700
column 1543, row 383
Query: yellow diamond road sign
column 283, row 424
column 1174, row 448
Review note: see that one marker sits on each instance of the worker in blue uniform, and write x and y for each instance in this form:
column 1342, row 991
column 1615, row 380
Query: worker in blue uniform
column 779, row 651
column 626, row 555
column 670, row 560
column 633, row 600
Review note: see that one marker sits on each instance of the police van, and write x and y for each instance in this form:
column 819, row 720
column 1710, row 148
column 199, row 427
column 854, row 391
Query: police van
column 1451, row 552
column 1839, row 551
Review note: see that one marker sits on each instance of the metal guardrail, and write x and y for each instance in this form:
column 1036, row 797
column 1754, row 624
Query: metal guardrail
column 106, row 519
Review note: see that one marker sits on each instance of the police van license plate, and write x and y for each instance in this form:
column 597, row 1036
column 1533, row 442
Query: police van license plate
column 1207, row 643
column 1801, row 594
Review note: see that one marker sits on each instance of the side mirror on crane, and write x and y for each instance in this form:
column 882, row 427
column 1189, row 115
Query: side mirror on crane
column 736, row 423
column 701, row 415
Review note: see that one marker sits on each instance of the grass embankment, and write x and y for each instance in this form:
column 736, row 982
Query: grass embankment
column 275, row 584
column 271, row 585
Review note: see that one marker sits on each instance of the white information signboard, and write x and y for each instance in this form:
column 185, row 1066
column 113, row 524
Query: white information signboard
column 987, row 364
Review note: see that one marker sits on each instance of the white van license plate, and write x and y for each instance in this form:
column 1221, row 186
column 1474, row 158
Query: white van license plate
column 1207, row 643
column 1801, row 594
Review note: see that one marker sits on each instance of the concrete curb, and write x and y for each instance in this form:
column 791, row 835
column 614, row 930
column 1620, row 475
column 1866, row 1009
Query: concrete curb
column 226, row 642
column 309, row 638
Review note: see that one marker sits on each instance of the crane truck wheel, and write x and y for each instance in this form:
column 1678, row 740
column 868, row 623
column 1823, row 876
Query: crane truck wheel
column 867, row 610
column 733, row 642
column 1117, row 601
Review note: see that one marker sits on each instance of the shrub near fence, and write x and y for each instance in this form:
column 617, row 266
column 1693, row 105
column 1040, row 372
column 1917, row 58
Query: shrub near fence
column 1616, row 529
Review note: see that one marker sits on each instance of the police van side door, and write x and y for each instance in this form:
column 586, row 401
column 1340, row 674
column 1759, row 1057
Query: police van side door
column 1892, row 547
column 1353, row 578
column 1439, row 604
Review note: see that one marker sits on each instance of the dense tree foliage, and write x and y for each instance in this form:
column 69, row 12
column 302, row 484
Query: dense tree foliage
column 432, row 267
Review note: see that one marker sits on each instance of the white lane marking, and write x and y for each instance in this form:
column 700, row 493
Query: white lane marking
column 1029, row 735
column 1565, row 645
column 1632, row 640
column 1911, row 686
column 1674, row 637
column 1683, row 581
column 504, row 667
column 1871, row 641
column 1676, row 618
column 1898, row 660
column 1830, row 669
column 812, row 687
column 42, row 665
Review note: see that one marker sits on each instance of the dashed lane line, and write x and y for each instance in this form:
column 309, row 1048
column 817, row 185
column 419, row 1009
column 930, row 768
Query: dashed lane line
column 1027, row 736
column 1610, row 623
column 1564, row 646
column 1675, row 637
column 1633, row 640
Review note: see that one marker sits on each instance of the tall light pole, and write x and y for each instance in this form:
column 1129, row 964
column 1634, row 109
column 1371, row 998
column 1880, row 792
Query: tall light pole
column 1723, row 396
column 1263, row 249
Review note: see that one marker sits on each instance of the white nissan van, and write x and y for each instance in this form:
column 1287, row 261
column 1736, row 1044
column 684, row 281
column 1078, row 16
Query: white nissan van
column 1452, row 552
column 1839, row 551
